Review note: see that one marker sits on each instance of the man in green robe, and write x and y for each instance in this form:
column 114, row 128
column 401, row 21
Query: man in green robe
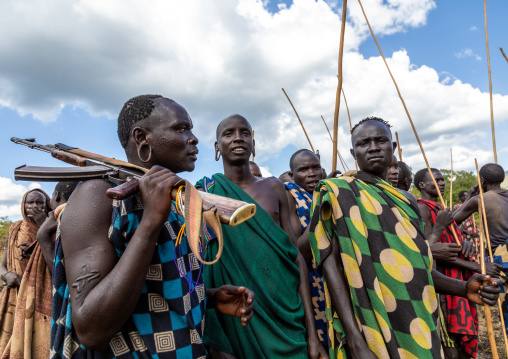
column 260, row 253
column 369, row 240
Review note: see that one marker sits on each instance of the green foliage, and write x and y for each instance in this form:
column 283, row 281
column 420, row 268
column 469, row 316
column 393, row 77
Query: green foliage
column 5, row 224
column 462, row 181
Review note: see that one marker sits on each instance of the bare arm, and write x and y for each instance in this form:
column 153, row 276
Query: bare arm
column 104, row 290
column 45, row 237
column 467, row 209
column 341, row 303
column 293, row 215
column 11, row 279
column 313, row 342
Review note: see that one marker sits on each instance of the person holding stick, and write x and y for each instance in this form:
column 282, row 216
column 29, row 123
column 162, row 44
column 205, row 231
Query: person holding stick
column 124, row 271
column 459, row 326
column 496, row 210
column 376, row 262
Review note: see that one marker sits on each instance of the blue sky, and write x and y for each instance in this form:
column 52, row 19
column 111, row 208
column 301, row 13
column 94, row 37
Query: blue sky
column 68, row 67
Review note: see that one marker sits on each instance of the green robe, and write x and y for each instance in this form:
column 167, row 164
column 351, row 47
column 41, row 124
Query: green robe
column 387, row 264
column 258, row 255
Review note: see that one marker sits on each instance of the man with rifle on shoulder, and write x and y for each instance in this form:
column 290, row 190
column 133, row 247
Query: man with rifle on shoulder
column 130, row 281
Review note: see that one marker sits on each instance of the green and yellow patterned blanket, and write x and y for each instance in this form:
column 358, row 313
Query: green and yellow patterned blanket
column 387, row 263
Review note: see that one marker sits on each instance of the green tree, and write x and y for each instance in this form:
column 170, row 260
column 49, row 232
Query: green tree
column 462, row 181
column 5, row 224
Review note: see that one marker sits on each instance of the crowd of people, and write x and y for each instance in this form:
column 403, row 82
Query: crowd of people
column 331, row 266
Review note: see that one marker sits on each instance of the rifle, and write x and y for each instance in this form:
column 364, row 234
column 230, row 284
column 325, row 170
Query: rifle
column 215, row 209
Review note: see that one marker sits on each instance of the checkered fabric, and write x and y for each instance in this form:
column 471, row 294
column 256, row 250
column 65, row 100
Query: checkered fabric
column 168, row 319
column 303, row 203
column 387, row 264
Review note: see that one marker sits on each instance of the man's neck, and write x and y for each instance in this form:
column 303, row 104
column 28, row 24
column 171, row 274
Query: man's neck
column 428, row 197
column 239, row 174
column 494, row 188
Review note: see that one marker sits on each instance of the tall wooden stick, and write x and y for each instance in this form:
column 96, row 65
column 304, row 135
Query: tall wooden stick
column 343, row 163
column 252, row 139
column 490, row 83
column 398, row 146
column 339, row 85
column 506, row 58
column 410, row 120
column 301, row 123
column 483, row 223
column 349, row 117
column 451, row 179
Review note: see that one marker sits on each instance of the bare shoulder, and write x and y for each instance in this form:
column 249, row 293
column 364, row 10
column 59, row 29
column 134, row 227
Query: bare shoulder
column 274, row 183
column 88, row 210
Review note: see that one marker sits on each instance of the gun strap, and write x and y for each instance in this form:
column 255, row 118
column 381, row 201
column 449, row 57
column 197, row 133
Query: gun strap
column 193, row 219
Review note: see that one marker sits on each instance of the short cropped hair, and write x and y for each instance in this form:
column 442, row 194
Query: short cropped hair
column 492, row 173
column 370, row 118
column 136, row 109
column 406, row 171
column 420, row 176
column 66, row 188
column 292, row 159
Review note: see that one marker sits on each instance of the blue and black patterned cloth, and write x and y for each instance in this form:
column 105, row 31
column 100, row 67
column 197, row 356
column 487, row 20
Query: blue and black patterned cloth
column 168, row 320
column 303, row 203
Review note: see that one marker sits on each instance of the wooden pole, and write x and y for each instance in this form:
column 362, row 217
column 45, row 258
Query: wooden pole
column 490, row 82
column 451, row 179
column 483, row 223
column 349, row 117
column 506, row 58
column 301, row 123
column 252, row 139
column 342, row 162
column 410, row 120
column 339, row 85
column 398, row 146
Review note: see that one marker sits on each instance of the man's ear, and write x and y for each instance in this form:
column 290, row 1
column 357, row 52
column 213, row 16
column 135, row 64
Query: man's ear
column 139, row 135
column 394, row 143
column 352, row 153
column 290, row 174
column 216, row 145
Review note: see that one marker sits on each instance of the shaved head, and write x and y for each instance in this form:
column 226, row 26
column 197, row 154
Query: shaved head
column 226, row 121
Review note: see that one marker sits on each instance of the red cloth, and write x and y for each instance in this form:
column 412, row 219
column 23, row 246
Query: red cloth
column 461, row 315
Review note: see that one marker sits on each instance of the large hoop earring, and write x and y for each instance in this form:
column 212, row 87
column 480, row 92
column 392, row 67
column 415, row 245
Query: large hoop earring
column 149, row 155
column 217, row 157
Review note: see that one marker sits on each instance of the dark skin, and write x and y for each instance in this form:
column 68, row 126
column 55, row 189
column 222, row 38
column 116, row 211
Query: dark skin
column 463, row 198
column 35, row 209
column 393, row 172
column 404, row 182
column 254, row 169
column 306, row 173
column 447, row 253
column 46, row 234
column 373, row 149
column 235, row 144
column 496, row 207
column 103, row 289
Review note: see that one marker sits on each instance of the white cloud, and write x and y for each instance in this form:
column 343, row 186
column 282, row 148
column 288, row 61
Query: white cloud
column 473, row 28
column 265, row 171
column 467, row 53
column 217, row 58
column 11, row 195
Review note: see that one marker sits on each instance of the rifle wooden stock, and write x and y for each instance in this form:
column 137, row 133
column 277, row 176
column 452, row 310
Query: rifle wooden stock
column 231, row 211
